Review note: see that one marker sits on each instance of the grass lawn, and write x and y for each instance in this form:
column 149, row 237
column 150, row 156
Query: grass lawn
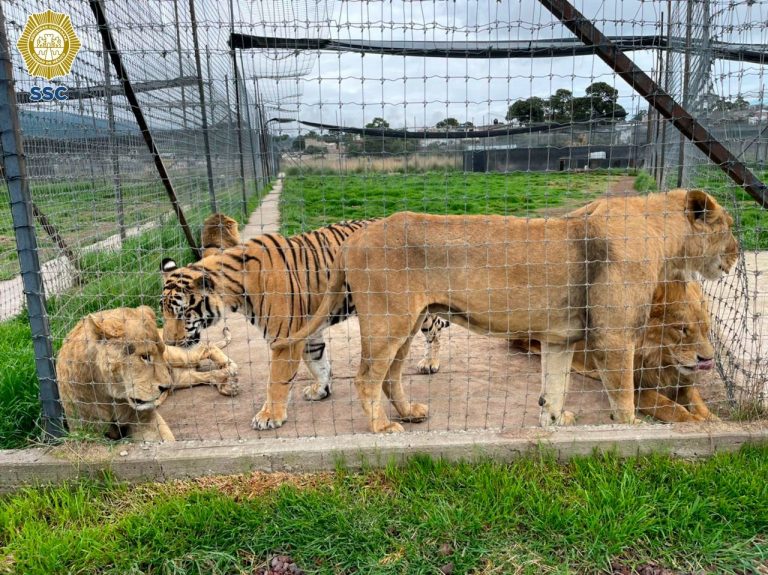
column 129, row 277
column 313, row 200
column 593, row 515
column 85, row 212
column 751, row 219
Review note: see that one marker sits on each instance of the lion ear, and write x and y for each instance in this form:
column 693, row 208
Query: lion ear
column 699, row 205
column 168, row 265
column 105, row 327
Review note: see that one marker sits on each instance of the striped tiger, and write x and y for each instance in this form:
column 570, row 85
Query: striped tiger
column 277, row 282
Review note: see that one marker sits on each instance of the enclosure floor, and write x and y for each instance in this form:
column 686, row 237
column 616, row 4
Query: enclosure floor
column 483, row 383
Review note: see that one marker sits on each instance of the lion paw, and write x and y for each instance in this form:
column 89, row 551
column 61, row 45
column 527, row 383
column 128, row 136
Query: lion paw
column 265, row 419
column 427, row 366
column 316, row 392
column 230, row 387
column 564, row 418
column 232, row 369
column 626, row 417
column 418, row 413
column 391, row 427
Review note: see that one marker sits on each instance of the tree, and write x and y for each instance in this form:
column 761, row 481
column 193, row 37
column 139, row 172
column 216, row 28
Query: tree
column 561, row 106
column 377, row 122
column 299, row 143
column 447, row 123
column 527, row 111
column 603, row 98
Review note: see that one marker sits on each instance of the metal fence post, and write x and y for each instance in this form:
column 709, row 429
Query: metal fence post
column 203, row 112
column 115, row 160
column 14, row 165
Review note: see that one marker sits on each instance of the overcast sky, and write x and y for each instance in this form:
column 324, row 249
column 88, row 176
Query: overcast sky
column 352, row 89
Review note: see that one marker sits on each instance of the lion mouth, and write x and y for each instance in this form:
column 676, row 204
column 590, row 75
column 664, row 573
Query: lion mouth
column 701, row 365
column 141, row 404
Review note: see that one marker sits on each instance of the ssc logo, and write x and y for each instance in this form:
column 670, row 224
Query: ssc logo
column 47, row 93
column 48, row 44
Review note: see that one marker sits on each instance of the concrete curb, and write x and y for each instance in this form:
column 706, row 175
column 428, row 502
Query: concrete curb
column 162, row 462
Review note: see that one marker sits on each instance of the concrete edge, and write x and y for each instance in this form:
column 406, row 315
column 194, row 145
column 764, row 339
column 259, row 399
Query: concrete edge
column 162, row 462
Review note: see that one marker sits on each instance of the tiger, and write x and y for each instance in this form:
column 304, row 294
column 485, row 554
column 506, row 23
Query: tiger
column 277, row 282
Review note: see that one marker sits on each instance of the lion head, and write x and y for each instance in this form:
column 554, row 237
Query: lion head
column 711, row 248
column 110, row 365
column 675, row 341
column 219, row 233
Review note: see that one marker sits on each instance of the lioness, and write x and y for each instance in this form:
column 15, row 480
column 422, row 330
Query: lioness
column 219, row 232
column 672, row 352
column 114, row 371
column 554, row 280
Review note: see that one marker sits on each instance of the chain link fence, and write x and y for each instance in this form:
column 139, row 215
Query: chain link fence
column 370, row 108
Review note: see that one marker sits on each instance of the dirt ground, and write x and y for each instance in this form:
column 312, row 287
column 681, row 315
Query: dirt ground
column 483, row 383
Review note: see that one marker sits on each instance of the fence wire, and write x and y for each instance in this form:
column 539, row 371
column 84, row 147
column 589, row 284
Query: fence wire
column 311, row 91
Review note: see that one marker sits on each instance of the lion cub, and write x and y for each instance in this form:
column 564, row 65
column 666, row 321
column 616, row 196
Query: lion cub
column 114, row 371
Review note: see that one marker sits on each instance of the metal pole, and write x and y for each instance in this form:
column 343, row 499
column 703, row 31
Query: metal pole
column 181, row 64
column 250, row 133
column 203, row 113
column 130, row 95
column 113, row 148
column 239, row 117
column 663, row 102
column 686, row 88
column 15, row 169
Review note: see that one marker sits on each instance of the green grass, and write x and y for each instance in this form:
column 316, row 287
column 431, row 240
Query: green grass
column 644, row 182
column 531, row 516
column 310, row 201
column 129, row 277
column 85, row 212
column 751, row 219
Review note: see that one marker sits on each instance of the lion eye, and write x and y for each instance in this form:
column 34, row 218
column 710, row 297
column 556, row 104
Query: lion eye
column 146, row 357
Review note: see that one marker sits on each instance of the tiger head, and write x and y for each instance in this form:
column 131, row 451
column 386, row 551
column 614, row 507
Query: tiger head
column 189, row 303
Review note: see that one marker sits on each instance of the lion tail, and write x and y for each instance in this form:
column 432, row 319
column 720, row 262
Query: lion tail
column 333, row 299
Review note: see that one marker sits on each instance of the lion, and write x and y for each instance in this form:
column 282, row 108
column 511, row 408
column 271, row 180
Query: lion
column 555, row 280
column 114, row 371
column 219, row 233
column 672, row 352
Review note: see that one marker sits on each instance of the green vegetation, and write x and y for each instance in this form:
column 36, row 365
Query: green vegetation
column 85, row 212
column 644, row 182
column 128, row 277
column 595, row 514
column 751, row 219
column 315, row 199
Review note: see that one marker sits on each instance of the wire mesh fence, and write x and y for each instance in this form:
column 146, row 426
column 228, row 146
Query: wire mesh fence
column 368, row 109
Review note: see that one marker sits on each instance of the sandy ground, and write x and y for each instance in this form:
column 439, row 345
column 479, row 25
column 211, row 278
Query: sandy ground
column 483, row 383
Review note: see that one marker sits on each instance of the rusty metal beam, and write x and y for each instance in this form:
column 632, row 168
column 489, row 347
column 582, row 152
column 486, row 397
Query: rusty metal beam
column 117, row 62
column 658, row 98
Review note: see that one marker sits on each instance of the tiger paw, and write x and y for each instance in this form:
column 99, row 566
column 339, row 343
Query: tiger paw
column 419, row 412
column 427, row 366
column 316, row 392
column 266, row 419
